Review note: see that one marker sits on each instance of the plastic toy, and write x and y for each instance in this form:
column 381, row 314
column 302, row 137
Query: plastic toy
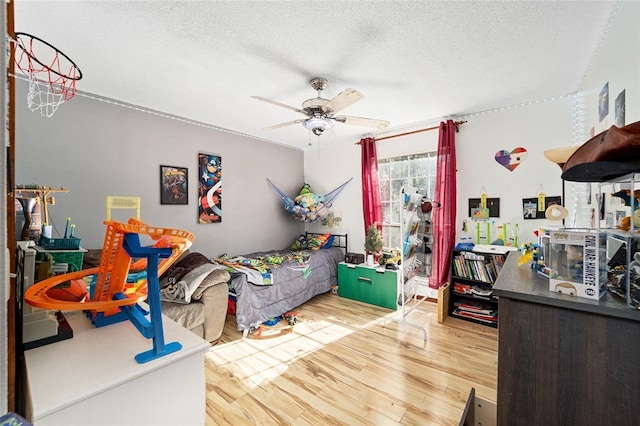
column 272, row 328
column 532, row 253
column 625, row 195
column 71, row 291
column 566, row 288
column 109, row 303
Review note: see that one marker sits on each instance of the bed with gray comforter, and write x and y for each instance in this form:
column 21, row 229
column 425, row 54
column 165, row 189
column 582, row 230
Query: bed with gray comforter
column 291, row 284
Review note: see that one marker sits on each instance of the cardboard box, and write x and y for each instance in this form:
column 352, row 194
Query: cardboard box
column 577, row 262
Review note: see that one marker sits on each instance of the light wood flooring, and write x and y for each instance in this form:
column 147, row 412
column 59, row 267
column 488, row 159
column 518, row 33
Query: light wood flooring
column 342, row 365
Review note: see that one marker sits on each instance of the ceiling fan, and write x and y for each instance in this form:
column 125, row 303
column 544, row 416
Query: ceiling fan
column 321, row 112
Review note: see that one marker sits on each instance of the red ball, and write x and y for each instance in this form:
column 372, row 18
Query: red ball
column 426, row 207
column 71, row 291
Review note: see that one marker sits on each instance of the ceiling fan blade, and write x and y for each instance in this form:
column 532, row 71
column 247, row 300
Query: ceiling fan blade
column 269, row 101
column 342, row 100
column 365, row 122
column 288, row 123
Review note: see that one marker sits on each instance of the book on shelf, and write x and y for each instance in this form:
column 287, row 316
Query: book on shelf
column 474, row 307
column 478, row 267
column 472, row 290
column 498, row 262
column 491, row 318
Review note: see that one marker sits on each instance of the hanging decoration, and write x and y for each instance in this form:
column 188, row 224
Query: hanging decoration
column 532, row 208
column 511, row 159
column 306, row 206
column 484, row 207
column 541, row 202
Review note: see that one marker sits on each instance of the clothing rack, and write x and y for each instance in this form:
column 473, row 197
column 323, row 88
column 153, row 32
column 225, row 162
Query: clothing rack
column 411, row 200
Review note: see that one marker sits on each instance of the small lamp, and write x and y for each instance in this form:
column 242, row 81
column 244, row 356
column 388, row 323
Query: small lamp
column 318, row 125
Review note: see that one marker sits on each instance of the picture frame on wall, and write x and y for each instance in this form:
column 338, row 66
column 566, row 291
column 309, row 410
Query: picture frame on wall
column 174, row 185
column 477, row 212
column 531, row 209
column 209, row 188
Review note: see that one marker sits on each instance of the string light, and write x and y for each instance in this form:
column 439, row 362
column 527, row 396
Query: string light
column 168, row 116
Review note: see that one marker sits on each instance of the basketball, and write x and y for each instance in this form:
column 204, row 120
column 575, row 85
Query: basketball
column 71, row 291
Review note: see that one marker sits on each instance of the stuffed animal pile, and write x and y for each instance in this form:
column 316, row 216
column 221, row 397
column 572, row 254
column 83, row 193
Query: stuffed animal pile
column 308, row 206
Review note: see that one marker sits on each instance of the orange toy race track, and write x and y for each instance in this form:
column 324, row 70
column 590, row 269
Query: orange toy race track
column 112, row 272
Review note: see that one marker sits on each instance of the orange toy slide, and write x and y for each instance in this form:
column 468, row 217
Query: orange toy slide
column 112, row 272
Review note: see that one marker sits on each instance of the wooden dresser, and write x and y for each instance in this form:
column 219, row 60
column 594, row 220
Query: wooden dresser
column 564, row 360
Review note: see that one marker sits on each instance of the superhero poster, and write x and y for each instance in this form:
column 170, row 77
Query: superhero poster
column 210, row 189
column 174, row 186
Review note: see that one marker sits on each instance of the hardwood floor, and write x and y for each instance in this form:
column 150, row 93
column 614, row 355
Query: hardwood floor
column 342, row 365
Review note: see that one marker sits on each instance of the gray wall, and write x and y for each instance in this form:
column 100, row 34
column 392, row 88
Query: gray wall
column 95, row 148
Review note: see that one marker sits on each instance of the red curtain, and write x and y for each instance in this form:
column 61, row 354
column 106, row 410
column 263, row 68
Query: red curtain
column 371, row 206
column 444, row 217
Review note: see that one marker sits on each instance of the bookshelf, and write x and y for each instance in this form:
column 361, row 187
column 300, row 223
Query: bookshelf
column 473, row 274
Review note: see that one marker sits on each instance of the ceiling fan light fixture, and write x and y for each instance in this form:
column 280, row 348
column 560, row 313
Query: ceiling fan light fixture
column 318, row 125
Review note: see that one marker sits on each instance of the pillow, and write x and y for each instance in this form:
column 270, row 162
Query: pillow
column 328, row 242
column 317, row 241
column 181, row 267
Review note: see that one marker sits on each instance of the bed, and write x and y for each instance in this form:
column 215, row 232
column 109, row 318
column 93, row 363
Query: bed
column 302, row 275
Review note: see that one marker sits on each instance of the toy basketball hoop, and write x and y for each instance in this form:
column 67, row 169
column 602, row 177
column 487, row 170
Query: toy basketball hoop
column 52, row 75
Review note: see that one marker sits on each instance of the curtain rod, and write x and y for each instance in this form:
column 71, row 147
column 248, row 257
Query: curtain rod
column 457, row 123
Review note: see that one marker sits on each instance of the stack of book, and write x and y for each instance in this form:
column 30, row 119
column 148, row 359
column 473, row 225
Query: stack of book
column 478, row 267
column 476, row 310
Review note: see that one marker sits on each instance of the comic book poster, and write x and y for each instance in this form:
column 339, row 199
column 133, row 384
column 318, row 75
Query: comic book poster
column 174, row 185
column 210, row 189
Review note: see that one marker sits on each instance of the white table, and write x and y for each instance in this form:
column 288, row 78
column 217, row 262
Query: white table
column 93, row 378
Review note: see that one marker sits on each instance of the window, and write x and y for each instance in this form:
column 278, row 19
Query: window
column 417, row 170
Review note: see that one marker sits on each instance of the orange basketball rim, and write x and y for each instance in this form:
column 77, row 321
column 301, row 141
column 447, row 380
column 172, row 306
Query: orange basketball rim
column 114, row 266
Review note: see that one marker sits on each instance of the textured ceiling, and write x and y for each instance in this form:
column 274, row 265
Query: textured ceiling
column 414, row 61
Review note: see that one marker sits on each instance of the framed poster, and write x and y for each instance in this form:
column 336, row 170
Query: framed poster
column 210, row 188
column 531, row 210
column 174, row 185
column 603, row 102
column 476, row 212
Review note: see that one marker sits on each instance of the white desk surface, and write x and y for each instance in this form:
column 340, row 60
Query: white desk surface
column 96, row 360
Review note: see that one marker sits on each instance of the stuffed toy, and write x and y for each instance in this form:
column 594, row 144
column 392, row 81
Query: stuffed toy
column 625, row 223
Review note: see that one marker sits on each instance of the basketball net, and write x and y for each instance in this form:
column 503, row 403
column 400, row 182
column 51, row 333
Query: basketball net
column 50, row 82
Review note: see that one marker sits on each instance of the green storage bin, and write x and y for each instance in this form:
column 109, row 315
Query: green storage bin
column 72, row 258
column 369, row 285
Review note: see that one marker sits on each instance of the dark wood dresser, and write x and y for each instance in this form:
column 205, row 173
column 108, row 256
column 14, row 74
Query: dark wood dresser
column 564, row 360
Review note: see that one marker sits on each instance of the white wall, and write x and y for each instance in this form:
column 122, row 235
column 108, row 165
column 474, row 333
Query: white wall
column 537, row 127
column 617, row 62
column 96, row 149
column 335, row 163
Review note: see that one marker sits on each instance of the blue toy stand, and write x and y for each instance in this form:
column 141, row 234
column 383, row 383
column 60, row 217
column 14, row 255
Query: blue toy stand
column 149, row 329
